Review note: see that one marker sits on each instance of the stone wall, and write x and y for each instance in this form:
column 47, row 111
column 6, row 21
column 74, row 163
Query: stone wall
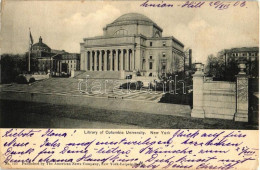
column 219, row 99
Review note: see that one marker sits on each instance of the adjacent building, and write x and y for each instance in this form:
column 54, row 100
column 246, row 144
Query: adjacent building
column 57, row 62
column 248, row 55
column 65, row 63
column 132, row 43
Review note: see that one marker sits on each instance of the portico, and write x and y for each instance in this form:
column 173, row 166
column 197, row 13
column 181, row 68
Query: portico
column 109, row 60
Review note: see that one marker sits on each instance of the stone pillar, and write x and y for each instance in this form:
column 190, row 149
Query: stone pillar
column 127, row 60
column 198, row 110
column 241, row 114
column 138, row 56
column 116, row 61
column 121, row 59
column 105, row 60
column 82, row 59
column 111, row 60
column 100, row 61
column 95, row 60
column 91, row 60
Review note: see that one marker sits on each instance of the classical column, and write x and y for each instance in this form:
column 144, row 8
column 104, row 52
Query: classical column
column 198, row 77
column 111, row 60
column 116, row 61
column 121, row 59
column 91, row 60
column 95, row 60
column 105, row 60
column 127, row 60
column 242, row 95
column 100, row 61
column 86, row 60
column 130, row 60
column 134, row 60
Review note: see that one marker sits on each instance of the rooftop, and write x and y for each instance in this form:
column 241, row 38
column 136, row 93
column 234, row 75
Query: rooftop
column 243, row 49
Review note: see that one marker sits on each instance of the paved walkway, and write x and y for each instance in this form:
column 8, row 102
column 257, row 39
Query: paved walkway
column 44, row 115
column 71, row 86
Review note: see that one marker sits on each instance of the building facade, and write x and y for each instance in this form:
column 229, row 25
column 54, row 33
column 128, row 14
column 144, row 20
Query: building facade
column 247, row 55
column 56, row 62
column 132, row 43
column 66, row 63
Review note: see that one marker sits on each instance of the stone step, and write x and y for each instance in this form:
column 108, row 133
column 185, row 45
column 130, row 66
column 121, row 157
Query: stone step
column 99, row 75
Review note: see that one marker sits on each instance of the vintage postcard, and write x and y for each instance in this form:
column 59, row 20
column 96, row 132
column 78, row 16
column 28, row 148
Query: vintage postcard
column 125, row 84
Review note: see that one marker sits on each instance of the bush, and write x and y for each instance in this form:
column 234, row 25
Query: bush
column 132, row 85
column 185, row 99
column 21, row 79
column 158, row 86
column 31, row 80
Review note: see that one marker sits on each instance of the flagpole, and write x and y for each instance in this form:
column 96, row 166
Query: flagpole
column 29, row 67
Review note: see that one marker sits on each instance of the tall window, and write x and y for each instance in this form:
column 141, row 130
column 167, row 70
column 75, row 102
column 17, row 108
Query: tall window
column 143, row 64
column 151, row 65
column 151, row 44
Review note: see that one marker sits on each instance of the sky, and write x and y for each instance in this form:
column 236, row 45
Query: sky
column 64, row 24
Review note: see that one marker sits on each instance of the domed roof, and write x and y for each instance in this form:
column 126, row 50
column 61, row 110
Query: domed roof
column 133, row 17
column 41, row 44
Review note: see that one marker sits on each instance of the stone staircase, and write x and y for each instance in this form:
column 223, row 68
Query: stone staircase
column 98, row 75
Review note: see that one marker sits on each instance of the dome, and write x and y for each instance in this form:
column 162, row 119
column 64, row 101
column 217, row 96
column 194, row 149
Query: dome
column 40, row 46
column 133, row 17
column 132, row 24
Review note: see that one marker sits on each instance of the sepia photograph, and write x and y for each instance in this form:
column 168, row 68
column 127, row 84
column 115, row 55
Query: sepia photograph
column 129, row 84
column 129, row 64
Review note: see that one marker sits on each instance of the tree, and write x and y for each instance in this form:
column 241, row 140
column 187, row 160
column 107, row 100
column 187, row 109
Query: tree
column 215, row 67
column 8, row 68
column 12, row 65
column 219, row 70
